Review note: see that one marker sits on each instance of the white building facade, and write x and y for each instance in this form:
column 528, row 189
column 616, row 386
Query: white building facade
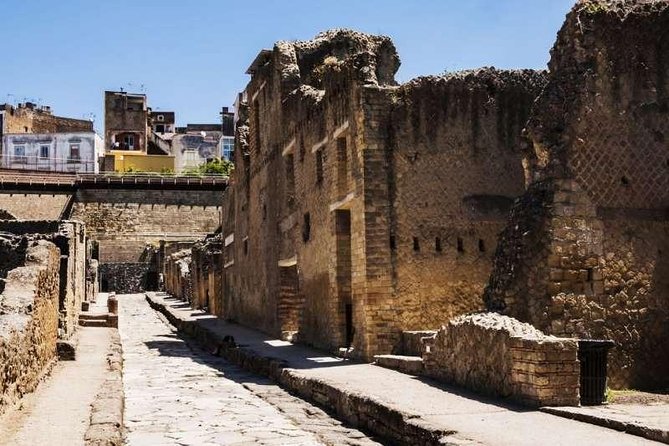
column 53, row 152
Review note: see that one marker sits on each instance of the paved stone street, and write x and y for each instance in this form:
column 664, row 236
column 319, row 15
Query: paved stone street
column 178, row 394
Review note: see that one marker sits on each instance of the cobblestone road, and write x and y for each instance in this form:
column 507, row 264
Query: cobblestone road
column 177, row 394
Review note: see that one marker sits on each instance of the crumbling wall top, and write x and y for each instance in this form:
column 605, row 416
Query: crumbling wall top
column 497, row 322
column 373, row 58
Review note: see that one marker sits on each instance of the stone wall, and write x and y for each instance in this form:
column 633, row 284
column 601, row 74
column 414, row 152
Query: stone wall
column 70, row 238
column 500, row 356
column 34, row 206
column 126, row 277
column 585, row 251
column 456, row 170
column 206, row 274
column 178, row 275
column 28, row 319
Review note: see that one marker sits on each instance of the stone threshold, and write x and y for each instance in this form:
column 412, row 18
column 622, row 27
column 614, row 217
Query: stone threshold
column 376, row 417
column 588, row 414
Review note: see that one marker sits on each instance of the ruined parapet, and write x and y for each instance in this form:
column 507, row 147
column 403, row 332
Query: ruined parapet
column 500, row 356
column 584, row 253
column 28, row 316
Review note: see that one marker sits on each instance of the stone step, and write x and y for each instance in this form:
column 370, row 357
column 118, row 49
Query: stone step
column 93, row 322
column 88, row 317
column 412, row 365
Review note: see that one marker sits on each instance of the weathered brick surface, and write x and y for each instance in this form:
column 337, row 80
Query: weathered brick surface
column 28, row 319
column 456, row 169
column 501, row 356
column 584, row 252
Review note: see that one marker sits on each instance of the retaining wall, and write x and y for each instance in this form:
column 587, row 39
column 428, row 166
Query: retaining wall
column 28, row 321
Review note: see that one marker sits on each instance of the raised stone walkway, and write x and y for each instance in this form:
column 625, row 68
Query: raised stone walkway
column 178, row 394
column 403, row 408
column 58, row 413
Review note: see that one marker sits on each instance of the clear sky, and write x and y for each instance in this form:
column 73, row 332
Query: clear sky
column 190, row 56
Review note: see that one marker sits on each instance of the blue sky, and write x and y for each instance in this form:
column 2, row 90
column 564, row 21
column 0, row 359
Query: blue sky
column 190, row 56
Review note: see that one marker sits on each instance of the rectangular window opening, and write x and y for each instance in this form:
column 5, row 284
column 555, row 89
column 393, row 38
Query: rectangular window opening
column 306, row 228
column 416, row 244
column 481, row 245
column 437, row 244
column 460, row 245
column 319, row 167
column 44, row 151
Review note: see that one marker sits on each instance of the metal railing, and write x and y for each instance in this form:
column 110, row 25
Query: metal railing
column 39, row 164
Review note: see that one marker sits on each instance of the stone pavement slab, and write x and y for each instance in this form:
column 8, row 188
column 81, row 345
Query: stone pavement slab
column 176, row 393
column 406, row 409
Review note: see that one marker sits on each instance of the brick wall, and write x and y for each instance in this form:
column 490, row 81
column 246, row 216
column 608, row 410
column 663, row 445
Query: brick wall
column 501, row 356
column 29, row 321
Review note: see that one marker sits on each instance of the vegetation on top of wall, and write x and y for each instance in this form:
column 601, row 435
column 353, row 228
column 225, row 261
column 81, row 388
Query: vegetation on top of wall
column 593, row 7
column 217, row 166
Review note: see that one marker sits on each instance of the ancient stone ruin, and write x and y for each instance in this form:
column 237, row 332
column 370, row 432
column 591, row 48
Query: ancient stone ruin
column 363, row 213
column 46, row 274
column 584, row 253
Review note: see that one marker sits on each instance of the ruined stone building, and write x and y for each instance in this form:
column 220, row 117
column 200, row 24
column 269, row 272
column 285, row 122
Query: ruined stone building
column 585, row 251
column 360, row 208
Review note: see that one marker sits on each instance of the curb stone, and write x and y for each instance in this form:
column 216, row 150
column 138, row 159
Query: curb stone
column 631, row 428
column 359, row 410
column 106, row 423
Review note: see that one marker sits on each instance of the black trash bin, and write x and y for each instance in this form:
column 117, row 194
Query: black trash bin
column 592, row 355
